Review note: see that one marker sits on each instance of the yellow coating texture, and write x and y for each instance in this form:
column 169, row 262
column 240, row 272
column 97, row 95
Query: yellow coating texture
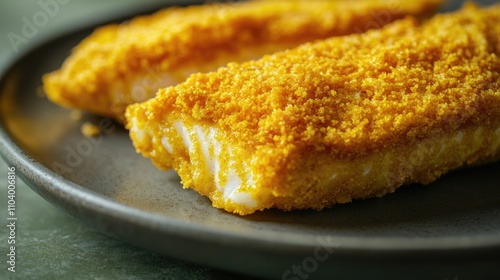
column 356, row 93
column 296, row 118
column 139, row 53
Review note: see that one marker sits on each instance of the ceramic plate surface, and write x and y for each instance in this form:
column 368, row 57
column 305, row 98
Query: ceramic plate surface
column 449, row 228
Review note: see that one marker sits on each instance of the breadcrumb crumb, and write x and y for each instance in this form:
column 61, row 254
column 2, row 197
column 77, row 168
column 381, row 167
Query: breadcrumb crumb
column 90, row 130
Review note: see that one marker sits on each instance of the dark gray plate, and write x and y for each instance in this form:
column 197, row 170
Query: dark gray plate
column 449, row 229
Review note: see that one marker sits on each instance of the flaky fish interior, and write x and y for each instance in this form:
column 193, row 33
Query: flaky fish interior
column 127, row 63
column 328, row 122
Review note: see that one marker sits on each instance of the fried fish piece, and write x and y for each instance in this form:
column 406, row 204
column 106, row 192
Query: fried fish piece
column 123, row 64
column 345, row 118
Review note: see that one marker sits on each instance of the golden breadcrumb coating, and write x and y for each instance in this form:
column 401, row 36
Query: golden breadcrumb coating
column 340, row 119
column 123, row 64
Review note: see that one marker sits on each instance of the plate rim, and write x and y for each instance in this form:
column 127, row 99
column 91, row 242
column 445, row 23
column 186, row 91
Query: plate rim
column 33, row 173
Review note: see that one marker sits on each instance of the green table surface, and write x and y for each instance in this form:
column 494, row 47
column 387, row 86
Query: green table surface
column 49, row 243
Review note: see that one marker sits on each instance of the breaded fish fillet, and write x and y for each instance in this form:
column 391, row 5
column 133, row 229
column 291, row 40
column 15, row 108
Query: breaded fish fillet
column 328, row 122
column 123, row 64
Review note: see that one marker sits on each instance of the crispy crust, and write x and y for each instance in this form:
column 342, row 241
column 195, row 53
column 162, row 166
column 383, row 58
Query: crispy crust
column 104, row 69
column 341, row 106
